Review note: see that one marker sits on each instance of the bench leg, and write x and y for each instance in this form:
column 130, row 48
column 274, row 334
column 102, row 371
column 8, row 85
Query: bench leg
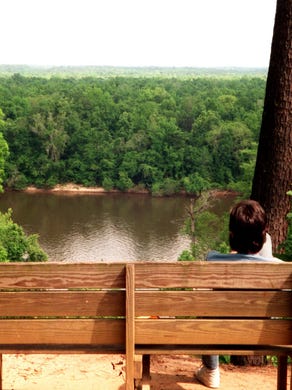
column 1, row 379
column 142, row 372
column 282, row 373
column 146, row 367
column 291, row 377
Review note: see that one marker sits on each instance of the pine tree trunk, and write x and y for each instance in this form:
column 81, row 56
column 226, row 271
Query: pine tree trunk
column 273, row 172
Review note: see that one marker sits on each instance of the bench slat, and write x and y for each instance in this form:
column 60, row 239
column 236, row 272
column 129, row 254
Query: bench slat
column 234, row 349
column 205, row 274
column 62, row 349
column 61, row 331
column 60, row 275
column 70, row 303
column 214, row 303
column 204, row 331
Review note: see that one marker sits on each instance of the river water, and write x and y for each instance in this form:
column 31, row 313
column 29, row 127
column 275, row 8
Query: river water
column 104, row 227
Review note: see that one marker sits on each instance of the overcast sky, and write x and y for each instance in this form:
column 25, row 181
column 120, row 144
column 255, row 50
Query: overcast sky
column 199, row 33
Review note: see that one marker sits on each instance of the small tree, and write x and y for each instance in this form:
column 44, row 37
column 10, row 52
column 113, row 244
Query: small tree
column 202, row 226
column 15, row 245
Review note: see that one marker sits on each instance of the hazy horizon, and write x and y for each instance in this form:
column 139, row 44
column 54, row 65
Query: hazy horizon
column 127, row 33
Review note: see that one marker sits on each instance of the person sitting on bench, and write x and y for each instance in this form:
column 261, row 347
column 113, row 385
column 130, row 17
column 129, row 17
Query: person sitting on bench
column 249, row 241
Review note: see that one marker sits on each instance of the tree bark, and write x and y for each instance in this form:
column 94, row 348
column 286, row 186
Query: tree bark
column 273, row 171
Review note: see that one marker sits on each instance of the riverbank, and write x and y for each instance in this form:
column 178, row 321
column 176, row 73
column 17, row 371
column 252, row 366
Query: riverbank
column 71, row 188
column 79, row 189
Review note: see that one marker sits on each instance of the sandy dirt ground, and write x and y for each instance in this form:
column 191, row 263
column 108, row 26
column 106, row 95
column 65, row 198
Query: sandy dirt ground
column 107, row 372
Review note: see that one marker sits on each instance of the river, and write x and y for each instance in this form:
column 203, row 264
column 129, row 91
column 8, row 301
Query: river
column 104, row 227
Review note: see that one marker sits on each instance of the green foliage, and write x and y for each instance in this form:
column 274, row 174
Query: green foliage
column 15, row 245
column 124, row 183
column 107, row 184
column 247, row 166
column 206, row 229
column 122, row 132
column 227, row 143
column 288, row 242
column 212, row 229
column 274, row 360
column 33, row 250
column 195, row 184
column 223, row 247
column 186, row 256
column 3, row 254
column 4, row 151
column 224, row 359
column 167, row 187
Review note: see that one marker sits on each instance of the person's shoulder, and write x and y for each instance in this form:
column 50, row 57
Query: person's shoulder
column 217, row 256
column 265, row 259
column 268, row 259
column 213, row 255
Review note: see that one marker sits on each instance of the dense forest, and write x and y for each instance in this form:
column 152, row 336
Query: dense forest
column 163, row 134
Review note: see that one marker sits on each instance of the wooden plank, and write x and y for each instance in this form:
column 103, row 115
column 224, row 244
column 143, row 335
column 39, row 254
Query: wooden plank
column 221, row 275
column 112, row 275
column 235, row 349
column 1, row 372
column 175, row 331
column 130, row 326
column 112, row 349
column 214, row 303
column 62, row 275
column 95, row 332
column 67, row 349
column 62, row 303
column 138, row 367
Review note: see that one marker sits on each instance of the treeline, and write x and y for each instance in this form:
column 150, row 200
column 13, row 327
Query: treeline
column 126, row 71
column 161, row 134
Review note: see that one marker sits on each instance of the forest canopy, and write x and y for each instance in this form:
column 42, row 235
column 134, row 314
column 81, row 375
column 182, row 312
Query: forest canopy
column 163, row 134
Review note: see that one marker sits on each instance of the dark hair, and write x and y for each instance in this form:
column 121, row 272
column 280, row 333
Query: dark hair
column 247, row 227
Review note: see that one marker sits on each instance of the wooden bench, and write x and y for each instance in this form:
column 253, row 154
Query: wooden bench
column 213, row 308
column 208, row 308
column 62, row 308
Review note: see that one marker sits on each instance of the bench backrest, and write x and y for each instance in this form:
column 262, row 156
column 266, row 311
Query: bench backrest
column 81, row 307
column 84, row 305
column 205, row 303
column 78, row 307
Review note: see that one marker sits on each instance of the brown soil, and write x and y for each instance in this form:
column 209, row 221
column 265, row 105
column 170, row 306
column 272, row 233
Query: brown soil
column 107, row 372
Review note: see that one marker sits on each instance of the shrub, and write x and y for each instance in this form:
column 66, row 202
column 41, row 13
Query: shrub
column 15, row 245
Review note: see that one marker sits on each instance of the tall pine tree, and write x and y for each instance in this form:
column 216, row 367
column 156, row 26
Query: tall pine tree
column 273, row 171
